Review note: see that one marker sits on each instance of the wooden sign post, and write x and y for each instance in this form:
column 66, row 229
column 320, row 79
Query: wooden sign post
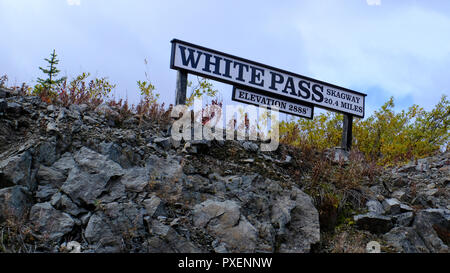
column 347, row 132
column 181, row 88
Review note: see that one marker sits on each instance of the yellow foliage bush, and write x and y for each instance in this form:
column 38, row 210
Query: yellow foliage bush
column 385, row 137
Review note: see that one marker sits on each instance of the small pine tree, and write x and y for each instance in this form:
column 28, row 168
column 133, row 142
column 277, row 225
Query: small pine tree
column 52, row 73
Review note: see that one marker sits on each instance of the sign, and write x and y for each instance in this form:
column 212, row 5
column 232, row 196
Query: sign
column 283, row 105
column 259, row 77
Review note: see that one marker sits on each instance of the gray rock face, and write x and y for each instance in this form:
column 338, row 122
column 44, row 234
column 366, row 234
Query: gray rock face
column 14, row 108
column 164, row 142
column 250, row 146
column 89, row 179
column 16, row 170
column 14, row 201
column 224, row 220
column 427, row 233
column 3, row 105
column 433, row 225
column 116, row 222
column 154, row 207
column 403, row 219
column 49, row 222
column 392, row 206
column 50, row 175
column 166, row 239
column 375, row 206
column 292, row 225
column 64, row 164
column 3, row 93
column 296, row 221
column 136, row 179
column 47, row 153
column 406, row 239
column 373, row 222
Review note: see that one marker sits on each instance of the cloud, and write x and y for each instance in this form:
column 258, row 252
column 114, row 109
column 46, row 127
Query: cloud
column 74, row 2
column 401, row 51
column 373, row 2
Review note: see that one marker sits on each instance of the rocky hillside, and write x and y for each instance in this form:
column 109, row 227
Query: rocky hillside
column 79, row 179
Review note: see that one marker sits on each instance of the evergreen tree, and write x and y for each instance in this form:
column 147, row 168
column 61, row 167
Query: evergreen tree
column 52, row 73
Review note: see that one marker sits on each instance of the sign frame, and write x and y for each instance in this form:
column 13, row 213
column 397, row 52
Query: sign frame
column 255, row 89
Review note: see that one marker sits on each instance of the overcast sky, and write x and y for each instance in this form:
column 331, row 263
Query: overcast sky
column 379, row 47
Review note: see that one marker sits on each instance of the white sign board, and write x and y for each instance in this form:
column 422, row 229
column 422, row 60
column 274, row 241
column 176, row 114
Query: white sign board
column 282, row 105
column 241, row 72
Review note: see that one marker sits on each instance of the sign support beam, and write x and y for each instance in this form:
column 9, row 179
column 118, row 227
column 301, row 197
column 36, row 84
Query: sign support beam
column 181, row 88
column 347, row 132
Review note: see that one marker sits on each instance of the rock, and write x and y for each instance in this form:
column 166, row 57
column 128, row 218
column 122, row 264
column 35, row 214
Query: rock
column 3, row 93
column 405, row 208
column 16, row 170
column 340, row 155
column 49, row 175
column 14, row 108
column 52, row 127
column 431, row 192
column 399, row 194
column 71, row 247
column 407, row 168
column 433, row 226
column 49, row 222
column 403, row 219
column 391, row 206
column 164, row 142
column 154, row 207
column 296, row 221
column 422, row 165
column 136, row 179
column 250, row 146
column 168, row 240
column 87, row 181
column 47, row 153
column 116, row 223
column 51, row 108
column 375, row 207
column 14, row 201
column 228, row 211
column 44, row 192
column 64, row 164
column 373, row 222
column 63, row 203
column 115, row 153
column 90, row 120
column 3, row 105
column 85, row 218
column 406, row 240
column 224, row 220
column 107, row 111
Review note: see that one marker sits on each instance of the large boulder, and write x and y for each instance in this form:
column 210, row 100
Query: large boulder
column 429, row 232
column 89, row 179
column 433, row 225
column 115, row 224
column 14, row 202
column 16, row 170
column 296, row 221
column 405, row 239
column 49, row 223
column 224, row 221
column 373, row 222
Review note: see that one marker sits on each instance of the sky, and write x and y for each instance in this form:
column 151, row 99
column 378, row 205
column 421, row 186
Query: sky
column 382, row 48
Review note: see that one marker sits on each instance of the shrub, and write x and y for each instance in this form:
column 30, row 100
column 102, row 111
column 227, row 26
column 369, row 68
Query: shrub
column 385, row 137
